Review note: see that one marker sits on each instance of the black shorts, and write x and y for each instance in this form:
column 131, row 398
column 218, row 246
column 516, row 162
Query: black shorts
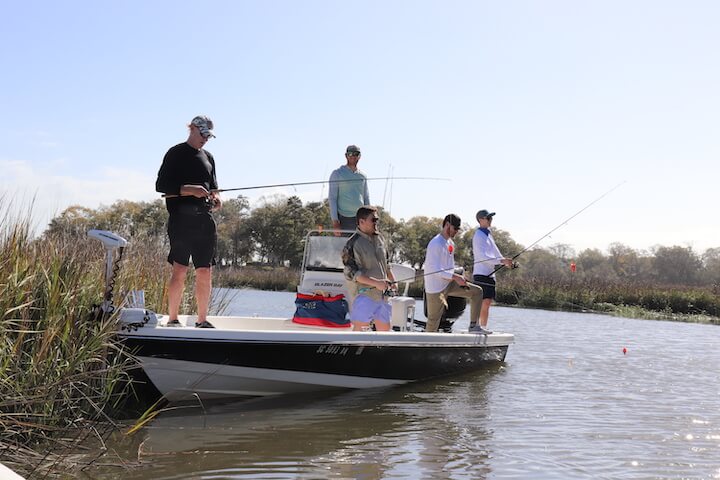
column 487, row 284
column 192, row 236
column 347, row 223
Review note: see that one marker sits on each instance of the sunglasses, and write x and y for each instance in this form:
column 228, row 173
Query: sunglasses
column 353, row 154
column 372, row 219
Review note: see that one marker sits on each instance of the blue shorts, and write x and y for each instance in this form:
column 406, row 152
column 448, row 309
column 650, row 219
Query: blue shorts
column 487, row 284
column 365, row 309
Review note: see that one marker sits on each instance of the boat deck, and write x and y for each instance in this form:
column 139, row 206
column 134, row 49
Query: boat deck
column 269, row 329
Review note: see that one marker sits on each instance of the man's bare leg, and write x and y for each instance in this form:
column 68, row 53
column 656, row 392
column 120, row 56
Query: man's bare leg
column 485, row 311
column 175, row 289
column 203, row 285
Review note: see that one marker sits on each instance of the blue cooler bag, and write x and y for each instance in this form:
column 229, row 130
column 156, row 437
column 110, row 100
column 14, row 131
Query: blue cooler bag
column 321, row 311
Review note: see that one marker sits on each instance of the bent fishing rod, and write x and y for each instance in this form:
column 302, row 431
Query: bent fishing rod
column 563, row 223
column 320, row 182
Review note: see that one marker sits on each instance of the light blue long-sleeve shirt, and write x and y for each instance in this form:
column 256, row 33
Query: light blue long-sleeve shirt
column 348, row 191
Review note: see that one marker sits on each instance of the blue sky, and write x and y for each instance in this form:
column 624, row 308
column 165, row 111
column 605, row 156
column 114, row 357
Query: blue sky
column 532, row 108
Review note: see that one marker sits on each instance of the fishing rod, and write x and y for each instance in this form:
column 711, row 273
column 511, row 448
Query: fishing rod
column 560, row 225
column 220, row 190
column 531, row 245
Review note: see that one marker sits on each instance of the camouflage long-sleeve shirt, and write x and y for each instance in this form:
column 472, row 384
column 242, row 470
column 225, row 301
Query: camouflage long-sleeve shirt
column 364, row 254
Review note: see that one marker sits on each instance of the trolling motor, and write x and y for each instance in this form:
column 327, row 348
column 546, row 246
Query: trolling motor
column 111, row 242
column 131, row 317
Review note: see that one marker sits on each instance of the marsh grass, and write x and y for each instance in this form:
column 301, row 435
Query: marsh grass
column 63, row 372
column 677, row 303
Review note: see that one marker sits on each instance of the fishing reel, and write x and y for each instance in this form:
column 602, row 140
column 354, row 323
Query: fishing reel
column 391, row 290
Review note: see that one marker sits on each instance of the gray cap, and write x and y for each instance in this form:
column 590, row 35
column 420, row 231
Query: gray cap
column 352, row 149
column 204, row 124
column 483, row 214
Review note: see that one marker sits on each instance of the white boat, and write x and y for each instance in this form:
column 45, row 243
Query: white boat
column 259, row 356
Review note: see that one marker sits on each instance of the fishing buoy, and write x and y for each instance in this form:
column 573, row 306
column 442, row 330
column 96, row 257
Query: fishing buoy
column 624, row 351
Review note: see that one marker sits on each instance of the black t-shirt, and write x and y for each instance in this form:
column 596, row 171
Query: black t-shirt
column 185, row 165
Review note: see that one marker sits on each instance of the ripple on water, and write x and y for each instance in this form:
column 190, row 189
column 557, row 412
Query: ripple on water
column 567, row 404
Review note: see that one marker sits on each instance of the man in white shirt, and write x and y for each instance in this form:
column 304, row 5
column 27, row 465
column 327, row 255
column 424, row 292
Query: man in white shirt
column 487, row 256
column 441, row 281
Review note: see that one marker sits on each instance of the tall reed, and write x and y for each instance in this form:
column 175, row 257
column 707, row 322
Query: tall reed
column 62, row 368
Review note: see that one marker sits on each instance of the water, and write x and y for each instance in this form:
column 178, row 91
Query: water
column 568, row 403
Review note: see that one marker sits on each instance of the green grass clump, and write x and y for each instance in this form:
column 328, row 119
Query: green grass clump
column 62, row 368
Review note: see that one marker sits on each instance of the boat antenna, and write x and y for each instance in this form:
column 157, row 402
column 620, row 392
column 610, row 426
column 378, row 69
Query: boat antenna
column 320, row 182
column 387, row 180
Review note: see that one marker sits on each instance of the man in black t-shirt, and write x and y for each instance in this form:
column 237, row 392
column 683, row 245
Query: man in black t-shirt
column 187, row 178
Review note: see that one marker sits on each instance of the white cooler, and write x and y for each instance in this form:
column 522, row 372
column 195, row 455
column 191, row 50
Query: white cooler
column 402, row 311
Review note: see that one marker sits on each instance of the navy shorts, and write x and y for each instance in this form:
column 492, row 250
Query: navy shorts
column 487, row 284
column 192, row 236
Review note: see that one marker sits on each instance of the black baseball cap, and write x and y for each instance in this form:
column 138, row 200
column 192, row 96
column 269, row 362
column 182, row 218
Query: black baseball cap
column 483, row 214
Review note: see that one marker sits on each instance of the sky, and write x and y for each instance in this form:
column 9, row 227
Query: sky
column 531, row 109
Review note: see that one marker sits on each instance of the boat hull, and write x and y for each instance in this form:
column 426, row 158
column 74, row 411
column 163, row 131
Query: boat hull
column 225, row 363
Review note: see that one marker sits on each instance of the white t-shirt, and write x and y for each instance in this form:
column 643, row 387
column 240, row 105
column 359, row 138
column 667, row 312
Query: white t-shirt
column 439, row 263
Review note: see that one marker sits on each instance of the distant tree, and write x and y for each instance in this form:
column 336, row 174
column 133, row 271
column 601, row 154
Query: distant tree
column 151, row 218
column 676, row 265
column 126, row 218
column 414, row 236
column 300, row 221
column 625, row 262
column 73, row 221
column 278, row 228
column 593, row 265
column 563, row 251
column 318, row 214
column 392, row 231
column 235, row 245
column 542, row 264
column 711, row 266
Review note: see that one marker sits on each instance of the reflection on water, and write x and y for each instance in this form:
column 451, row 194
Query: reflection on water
column 568, row 403
column 377, row 433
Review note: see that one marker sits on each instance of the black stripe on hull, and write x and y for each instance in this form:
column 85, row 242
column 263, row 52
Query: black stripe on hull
column 400, row 362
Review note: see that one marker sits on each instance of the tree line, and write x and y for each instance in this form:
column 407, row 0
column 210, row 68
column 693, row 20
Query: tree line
column 272, row 233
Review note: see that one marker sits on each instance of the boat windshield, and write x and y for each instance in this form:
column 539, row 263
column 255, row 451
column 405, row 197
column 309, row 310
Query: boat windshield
column 324, row 252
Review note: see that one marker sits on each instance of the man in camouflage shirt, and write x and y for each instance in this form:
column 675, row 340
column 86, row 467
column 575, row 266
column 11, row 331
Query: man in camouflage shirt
column 369, row 278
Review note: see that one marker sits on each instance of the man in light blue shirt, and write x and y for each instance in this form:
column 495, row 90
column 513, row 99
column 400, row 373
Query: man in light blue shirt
column 348, row 191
